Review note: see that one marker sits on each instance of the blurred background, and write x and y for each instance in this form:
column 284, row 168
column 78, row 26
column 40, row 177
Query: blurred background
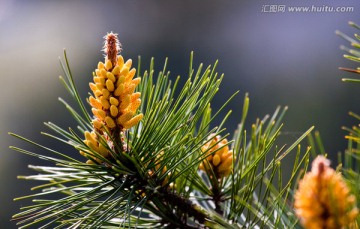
column 279, row 58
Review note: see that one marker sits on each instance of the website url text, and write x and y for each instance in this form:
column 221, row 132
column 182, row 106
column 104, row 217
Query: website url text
column 306, row 9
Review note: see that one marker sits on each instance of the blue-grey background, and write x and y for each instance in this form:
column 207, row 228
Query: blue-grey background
column 283, row 58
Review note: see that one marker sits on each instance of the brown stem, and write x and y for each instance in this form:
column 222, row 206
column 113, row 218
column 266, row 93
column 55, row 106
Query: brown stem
column 184, row 205
column 185, row 208
column 112, row 47
column 217, row 198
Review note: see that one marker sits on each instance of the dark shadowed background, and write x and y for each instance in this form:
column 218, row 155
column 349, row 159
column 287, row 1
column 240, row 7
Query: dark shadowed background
column 280, row 58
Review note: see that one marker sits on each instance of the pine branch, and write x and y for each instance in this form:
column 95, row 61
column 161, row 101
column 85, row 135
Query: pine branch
column 354, row 52
column 153, row 158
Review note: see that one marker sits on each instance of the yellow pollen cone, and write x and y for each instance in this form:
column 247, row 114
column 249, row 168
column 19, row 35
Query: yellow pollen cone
column 131, row 74
column 124, row 118
column 119, row 90
column 116, row 70
column 105, row 93
column 125, row 102
column 97, row 73
column 108, row 65
column 124, row 71
column 99, row 86
column 95, row 103
column 114, row 97
column 120, row 61
column 323, row 199
column 114, row 101
column 135, row 96
column 216, row 160
column 105, row 103
column 111, row 77
column 114, row 111
column 224, row 156
column 219, row 158
column 136, row 81
column 120, row 81
column 110, row 85
column 97, row 93
column 92, row 87
column 225, row 165
column 97, row 124
column 101, row 114
column 101, row 65
column 110, row 122
column 128, row 63
column 130, row 89
column 135, row 105
column 103, row 73
column 134, row 121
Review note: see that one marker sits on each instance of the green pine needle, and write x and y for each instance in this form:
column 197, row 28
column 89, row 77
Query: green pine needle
column 156, row 182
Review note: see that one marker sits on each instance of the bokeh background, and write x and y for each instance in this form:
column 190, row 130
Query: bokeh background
column 283, row 58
